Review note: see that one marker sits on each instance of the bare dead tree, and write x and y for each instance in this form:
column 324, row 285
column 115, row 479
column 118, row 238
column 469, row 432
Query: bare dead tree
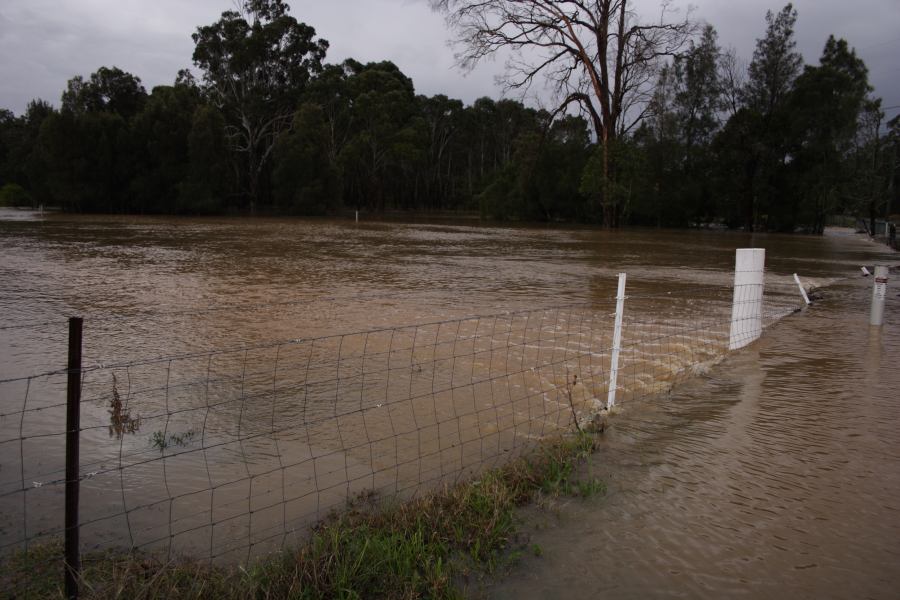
column 595, row 54
column 733, row 73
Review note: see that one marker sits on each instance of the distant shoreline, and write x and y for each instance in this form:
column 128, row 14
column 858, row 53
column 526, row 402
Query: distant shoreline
column 469, row 218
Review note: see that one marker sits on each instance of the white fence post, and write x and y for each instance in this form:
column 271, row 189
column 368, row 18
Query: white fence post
column 746, row 310
column 617, row 343
column 802, row 289
column 878, row 294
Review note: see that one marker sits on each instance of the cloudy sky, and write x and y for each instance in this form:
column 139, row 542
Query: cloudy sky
column 43, row 43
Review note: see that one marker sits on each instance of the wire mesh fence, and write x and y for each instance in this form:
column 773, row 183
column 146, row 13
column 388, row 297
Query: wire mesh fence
column 230, row 454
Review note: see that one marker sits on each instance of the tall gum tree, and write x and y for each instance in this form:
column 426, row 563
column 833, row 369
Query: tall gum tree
column 256, row 65
column 596, row 54
column 827, row 102
column 675, row 138
column 771, row 75
column 109, row 89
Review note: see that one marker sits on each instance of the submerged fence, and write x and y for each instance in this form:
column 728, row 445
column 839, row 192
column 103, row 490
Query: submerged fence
column 229, row 454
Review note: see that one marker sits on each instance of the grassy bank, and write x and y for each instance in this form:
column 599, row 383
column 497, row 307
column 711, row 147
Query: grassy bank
column 429, row 547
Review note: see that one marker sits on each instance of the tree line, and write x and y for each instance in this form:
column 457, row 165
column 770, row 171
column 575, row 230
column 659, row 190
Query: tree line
column 272, row 128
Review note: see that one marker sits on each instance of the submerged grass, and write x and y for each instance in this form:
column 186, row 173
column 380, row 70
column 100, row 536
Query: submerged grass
column 423, row 548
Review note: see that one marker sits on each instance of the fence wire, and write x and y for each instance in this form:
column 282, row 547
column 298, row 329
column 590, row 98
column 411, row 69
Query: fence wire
column 230, row 454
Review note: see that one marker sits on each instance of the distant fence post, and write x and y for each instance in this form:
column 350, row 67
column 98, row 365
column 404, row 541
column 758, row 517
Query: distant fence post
column 73, row 427
column 746, row 310
column 617, row 343
column 879, row 292
column 802, row 289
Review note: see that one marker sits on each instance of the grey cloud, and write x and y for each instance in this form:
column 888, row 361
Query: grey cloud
column 46, row 42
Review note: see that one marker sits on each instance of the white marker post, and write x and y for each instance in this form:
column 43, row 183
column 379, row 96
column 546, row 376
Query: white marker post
column 746, row 310
column 357, row 216
column 879, row 292
column 802, row 290
column 617, row 343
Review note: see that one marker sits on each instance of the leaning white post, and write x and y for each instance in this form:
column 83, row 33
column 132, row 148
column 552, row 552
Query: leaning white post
column 878, row 294
column 617, row 343
column 746, row 310
column 802, row 289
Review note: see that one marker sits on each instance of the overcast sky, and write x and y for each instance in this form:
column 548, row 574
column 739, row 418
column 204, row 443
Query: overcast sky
column 43, row 43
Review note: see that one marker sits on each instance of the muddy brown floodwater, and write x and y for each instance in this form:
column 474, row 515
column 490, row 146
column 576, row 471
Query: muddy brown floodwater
column 244, row 376
column 776, row 475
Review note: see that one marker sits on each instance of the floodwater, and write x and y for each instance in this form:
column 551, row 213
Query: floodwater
column 244, row 376
column 775, row 475
column 160, row 286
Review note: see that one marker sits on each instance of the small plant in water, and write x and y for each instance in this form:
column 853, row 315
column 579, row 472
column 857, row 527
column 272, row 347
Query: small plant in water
column 569, row 387
column 161, row 441
column 120, row 419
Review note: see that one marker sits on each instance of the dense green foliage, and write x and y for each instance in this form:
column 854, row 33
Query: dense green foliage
column 272, row 128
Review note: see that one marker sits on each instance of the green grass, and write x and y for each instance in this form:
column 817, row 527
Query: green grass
column 161, row 441
column 418, row 549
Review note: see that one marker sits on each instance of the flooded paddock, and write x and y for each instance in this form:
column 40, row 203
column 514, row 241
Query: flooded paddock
column 242, row 378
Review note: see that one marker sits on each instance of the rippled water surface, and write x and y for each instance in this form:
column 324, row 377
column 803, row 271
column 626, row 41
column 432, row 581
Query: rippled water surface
column 146, row 285
column 777, row 475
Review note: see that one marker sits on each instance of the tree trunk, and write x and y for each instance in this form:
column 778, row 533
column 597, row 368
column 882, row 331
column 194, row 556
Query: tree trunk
column 608, row 204
column 750, row 197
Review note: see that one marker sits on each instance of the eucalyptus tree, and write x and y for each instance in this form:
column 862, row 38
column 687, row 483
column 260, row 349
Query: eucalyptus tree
column 892, row 166
column 387, row 140
column 556, row 174
column 869, row 191
column 699, row 95
column 684, row 114
column 827, row 102
column 20, row 161
column 108, row 89
column 85, row 150
column 659, row 139
column 595, row 54
column 776, row 64
column 732, row 78
column 9, row 134
column 304, row 179
column 763, row 138
column 443, row 121
column 256, row 63
column 698, row 102
column 88, row 158
column 160, row 135
column 210, row 179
